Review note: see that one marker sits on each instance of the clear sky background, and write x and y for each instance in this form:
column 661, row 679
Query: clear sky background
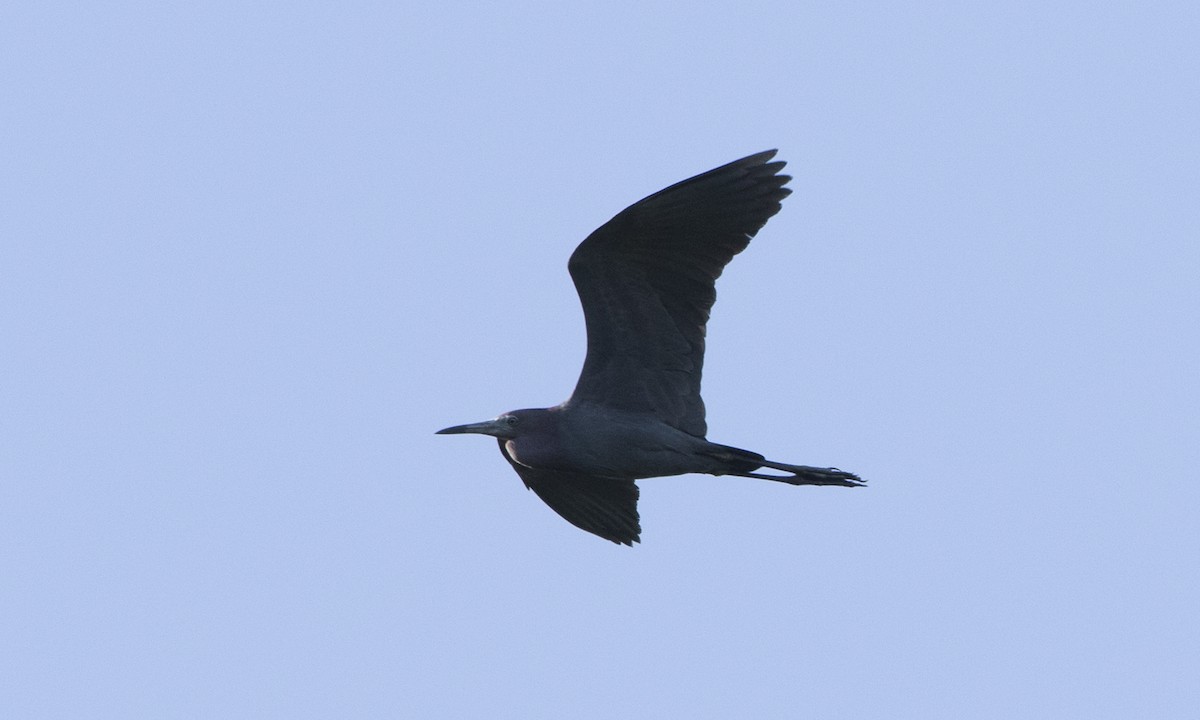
column 252, row 255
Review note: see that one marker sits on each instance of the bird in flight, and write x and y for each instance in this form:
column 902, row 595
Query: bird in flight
column 646, row 280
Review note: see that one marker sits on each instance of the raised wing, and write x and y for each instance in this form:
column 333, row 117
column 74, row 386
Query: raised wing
column 646, row 281
column 602, row 506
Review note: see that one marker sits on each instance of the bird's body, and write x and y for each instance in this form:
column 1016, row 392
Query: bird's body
column 646, row 282
column 602, row 441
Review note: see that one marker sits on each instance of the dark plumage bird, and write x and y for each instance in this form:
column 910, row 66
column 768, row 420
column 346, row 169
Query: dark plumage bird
column 646, row 280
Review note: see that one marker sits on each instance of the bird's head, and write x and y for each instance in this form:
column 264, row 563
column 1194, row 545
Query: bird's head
column 506, row 427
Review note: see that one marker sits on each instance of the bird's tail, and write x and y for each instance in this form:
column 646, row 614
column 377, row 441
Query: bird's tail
column 743, row 462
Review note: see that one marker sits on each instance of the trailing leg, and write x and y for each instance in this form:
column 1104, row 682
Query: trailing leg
column 806, row 475
column 742, row 463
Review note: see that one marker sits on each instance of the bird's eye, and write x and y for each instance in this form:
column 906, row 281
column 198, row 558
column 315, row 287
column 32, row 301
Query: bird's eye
column 510, row 420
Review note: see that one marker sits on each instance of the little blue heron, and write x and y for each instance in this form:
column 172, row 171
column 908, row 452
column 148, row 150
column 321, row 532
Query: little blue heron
column 646, row 281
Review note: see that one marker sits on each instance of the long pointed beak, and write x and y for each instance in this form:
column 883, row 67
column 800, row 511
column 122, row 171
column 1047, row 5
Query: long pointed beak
column 495, row 428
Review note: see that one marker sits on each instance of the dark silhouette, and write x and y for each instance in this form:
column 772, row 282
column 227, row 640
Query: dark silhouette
column 646, row 281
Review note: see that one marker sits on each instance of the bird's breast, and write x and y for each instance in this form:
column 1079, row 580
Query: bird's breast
column 532, row 452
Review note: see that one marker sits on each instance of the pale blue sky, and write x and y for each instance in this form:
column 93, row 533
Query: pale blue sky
column 253, row 255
